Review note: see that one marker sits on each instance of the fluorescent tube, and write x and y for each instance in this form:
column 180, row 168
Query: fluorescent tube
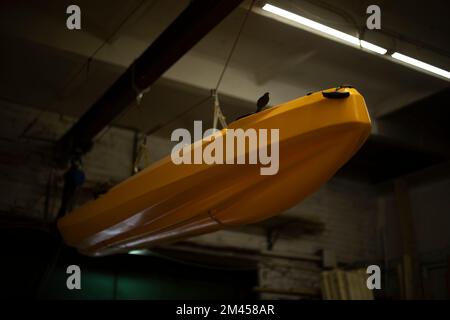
column 421, row 65
column 311, row 24
column 372, row 47
column 351, row 39
column 323, row 28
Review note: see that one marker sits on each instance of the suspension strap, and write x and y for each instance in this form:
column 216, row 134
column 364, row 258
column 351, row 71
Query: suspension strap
column 218, row 114
column 142, row 155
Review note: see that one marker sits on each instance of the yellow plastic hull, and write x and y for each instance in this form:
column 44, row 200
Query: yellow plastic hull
column 168, row 202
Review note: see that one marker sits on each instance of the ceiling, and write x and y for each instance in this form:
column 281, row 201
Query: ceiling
column 46, row 66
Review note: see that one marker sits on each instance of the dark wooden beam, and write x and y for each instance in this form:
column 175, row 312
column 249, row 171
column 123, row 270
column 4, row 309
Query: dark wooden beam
column 200, row 17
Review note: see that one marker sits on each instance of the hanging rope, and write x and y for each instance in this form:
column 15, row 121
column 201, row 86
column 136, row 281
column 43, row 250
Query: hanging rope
column 218, row 115
column 139, row 96
column 241, row 28
column 142, row 155
column 179, row 116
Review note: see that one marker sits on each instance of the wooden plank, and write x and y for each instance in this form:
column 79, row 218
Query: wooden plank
column 342, row 284
column 367, row 294
column 334, row 285
column 352, row 292
column 409, row 250
column 401, row 280
column 326, row 289
column 302, row 292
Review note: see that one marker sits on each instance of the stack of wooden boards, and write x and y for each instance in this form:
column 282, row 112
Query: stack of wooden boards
column 345, row 285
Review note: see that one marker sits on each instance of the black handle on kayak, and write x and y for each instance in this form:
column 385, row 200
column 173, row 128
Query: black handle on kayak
column 336, row 94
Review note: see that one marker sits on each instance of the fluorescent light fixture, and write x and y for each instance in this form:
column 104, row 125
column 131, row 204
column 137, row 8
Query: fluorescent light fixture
column 421, row 65
column 351, row 39
column 311, row 24
column 323, row 28
column 373, row 47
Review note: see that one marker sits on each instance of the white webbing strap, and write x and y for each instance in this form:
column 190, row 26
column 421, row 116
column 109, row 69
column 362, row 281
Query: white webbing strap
column 142, row 155
column 218, row 115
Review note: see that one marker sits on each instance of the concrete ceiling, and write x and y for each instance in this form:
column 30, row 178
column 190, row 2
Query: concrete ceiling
column 44, row 65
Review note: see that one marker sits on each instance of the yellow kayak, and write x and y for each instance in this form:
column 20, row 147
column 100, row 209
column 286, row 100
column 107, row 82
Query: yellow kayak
column 166, row 202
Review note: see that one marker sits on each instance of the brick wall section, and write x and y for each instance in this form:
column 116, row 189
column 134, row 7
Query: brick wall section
column 26, row 161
